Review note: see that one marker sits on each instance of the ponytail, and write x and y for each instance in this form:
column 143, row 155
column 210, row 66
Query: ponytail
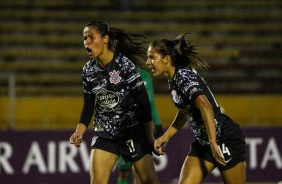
column 187, row 53
column 133, row 46
column 181, row 51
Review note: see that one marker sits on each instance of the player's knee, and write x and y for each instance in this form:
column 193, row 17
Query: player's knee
column 94, row 179
column 148, row 179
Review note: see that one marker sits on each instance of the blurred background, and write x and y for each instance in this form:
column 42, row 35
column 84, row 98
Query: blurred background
column 42, row 55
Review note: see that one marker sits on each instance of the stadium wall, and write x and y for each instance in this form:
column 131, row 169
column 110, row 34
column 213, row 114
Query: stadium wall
column 63, row 112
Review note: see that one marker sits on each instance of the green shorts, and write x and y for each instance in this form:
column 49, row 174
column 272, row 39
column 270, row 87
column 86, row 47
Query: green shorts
column 122, row 165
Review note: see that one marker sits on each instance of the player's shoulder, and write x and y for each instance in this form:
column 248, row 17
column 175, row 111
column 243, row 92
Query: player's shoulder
column 185, row 72
column 122, row 62
column 90, row 67
column 89, row 64
column 120, row 58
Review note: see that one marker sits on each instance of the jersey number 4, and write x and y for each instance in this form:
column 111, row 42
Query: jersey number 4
column 223, row 149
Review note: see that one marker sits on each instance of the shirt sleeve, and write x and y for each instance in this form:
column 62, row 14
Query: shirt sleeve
column 138, row 92
column 189, row 85
column 88, row 102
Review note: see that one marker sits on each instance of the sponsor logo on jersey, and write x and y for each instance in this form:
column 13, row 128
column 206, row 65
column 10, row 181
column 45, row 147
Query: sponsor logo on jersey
column 107, row 99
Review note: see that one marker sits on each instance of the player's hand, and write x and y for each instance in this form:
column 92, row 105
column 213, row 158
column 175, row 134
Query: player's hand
column 219, row 158
column 155, row 152
column 151, row 140
column 76, row 139
column 159, row 143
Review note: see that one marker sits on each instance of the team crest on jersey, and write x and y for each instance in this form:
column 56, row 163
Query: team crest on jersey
column 115, row 78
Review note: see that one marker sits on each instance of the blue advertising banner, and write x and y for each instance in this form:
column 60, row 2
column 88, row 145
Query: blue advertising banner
column 47, row 157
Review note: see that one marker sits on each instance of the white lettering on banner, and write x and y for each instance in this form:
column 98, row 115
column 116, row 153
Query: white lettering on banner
column 67, row 153
column 62, row 157
column 66, row 158
column 51, row 157
column 162, row 162
column 216, row 172
column 34, row 157
column 6, row 152
column 85, row 156
column 253, row 142
column 272, row 154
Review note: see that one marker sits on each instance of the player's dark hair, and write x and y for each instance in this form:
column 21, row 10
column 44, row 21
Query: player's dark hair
column 181, row 51
column 133, row 46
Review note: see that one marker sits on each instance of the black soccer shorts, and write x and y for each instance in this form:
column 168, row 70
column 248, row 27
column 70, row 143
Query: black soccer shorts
column 232, row 148
column 132, row 148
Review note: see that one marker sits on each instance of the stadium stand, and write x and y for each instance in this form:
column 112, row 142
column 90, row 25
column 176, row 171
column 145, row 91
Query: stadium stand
column 41, row 41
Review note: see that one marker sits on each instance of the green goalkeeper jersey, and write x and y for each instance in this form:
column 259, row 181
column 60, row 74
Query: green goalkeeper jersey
column 150, row 90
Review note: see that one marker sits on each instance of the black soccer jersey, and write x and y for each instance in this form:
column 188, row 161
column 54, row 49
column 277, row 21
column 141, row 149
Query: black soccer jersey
column 184, row 87
column 118, row 94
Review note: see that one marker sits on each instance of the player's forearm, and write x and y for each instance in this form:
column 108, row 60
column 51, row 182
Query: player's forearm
column 177, row 124
column 208, row 118
column 179, row 121
column 81, row 128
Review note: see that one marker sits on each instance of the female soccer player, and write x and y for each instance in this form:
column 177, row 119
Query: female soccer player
column 124, row 174
column 115, row 93
column 219, row 140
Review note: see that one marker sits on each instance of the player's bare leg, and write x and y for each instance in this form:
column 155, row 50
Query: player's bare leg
column 235, row 175
column 101, row 165
column 194, row 170
column 136, row 179
column 145, row 170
